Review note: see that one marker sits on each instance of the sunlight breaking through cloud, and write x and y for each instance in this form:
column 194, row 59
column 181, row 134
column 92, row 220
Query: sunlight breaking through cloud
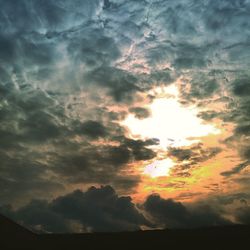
column 170, row 122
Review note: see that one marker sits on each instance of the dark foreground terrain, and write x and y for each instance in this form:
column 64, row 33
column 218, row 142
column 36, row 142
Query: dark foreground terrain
column 14, row 236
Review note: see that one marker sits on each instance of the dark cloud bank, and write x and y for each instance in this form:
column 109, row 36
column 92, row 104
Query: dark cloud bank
column 101, row 210
column 97, row 209
column 64, row 63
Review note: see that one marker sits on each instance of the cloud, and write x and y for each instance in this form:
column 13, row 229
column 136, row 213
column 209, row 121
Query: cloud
column 22, row 181
column 189, row 158
column 238, row 113
column 140, row 150
column 96, row 210
column 139, row 112
column 93, row 129
column 172, row 214
column 232, row 197
column 102, row 210
column 236, row 169
column 242, row 129
column 122, row 84
column 240, row 87
column 243, row 215
column 7, row 49
column 203, row 89
column 39, row 139
column 95, row 50
column 38, row 216
column 180, row 154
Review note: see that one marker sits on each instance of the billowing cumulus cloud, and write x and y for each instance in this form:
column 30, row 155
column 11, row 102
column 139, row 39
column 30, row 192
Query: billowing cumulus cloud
column 172, row 214
column 96, row 210
column 102, row 210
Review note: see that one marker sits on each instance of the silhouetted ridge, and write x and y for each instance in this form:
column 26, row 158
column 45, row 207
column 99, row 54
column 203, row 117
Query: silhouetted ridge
column 14, row 236
column 7, row 226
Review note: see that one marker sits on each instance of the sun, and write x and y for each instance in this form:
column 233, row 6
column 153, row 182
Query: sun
column 159, row 168
column 172, row 124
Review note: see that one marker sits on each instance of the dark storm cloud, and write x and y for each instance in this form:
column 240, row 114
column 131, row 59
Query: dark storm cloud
column 190, row 158
column 203, row 89
column 128, row 150
column 38, row 53
column 139, row 112
column 24, row 177
column 208, row 115
column 97, row 209
column 93, row 129
column 165, row 210
column 117, row 155
column 29, row 115
column 245, row 152
column 94, row 49
column 40, row 126
column 28, row 120
column 139, row 148
column 7, row 49
column 162, row 76
column 101, row 209
column 188, row 62
column 32, row 121
column 236, row 169
column 231, row 198
column 190, row 56
column 38, row 216
column 85, row 163
column 122, row 84
column 172, row 214
column 195, row 154
column 243, row 215
column 125, row 184
column 239, row 112
column 51, row 15
column 180, row 154
column 241, row 87
column 243, row 130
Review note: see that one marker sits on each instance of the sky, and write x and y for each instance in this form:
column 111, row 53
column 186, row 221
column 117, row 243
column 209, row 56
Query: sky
column 121, row 115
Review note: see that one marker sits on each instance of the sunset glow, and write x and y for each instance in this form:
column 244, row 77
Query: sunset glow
column 171, row 123
column 159, row 168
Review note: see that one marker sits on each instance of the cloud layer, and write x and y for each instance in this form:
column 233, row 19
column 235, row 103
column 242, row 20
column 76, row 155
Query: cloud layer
column 102, row 210
column 70, row 72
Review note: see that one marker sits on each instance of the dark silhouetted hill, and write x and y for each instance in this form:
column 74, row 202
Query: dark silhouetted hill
column 14, row 236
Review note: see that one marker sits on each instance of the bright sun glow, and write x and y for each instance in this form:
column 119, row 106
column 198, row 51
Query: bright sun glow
column 171, row 123
column 159, row 168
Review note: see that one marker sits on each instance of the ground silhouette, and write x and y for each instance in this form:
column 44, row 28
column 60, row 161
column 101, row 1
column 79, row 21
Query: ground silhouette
column 14, row 236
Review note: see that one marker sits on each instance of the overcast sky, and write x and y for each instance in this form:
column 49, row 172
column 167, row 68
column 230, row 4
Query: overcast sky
column 122, row 115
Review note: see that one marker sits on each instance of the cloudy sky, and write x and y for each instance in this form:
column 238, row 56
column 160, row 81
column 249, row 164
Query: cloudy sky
column 121, row 115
